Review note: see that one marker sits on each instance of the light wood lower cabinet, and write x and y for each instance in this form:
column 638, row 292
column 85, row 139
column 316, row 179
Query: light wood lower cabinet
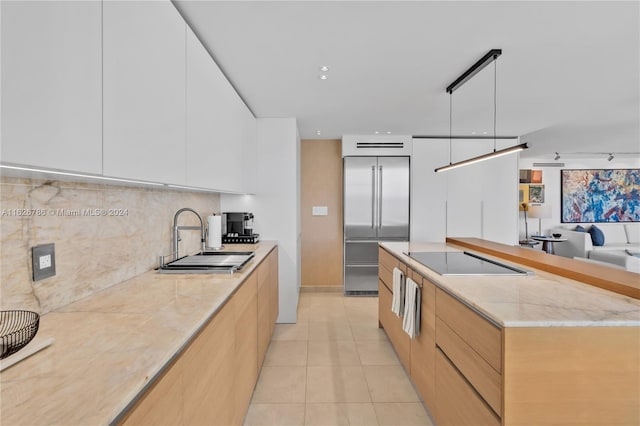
column 469, row 371
column 268, row 295
column 163, row 403
column 274, row 292
column 423, row 347
column 457, row 403
column 572, row 375
column 264, row 307
column 245, row 304
column 392, row 325
column 211, row 383
column 208, row 372
column 473, row 345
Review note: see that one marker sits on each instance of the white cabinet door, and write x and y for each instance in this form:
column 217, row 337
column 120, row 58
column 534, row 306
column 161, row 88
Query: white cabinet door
column 218, row 124
column 51, row 84
column 144, row 91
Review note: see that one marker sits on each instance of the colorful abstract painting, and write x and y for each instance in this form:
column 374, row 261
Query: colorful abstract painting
column 600, row 195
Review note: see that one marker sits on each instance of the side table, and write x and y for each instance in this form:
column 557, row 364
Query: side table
column 547, row 242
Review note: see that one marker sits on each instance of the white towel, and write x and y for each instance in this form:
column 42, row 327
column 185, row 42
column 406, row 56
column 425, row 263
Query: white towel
column 398, row 295
column 413, row 299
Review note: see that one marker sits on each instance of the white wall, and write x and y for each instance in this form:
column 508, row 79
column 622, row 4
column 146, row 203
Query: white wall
column 478, row 200
column 428, row 190
column 276, row 203
column 551, row 181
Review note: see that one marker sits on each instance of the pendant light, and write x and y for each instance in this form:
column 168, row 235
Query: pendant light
column 491, row 56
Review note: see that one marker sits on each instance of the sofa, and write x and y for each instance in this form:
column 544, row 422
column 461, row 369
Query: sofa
column 621, row 244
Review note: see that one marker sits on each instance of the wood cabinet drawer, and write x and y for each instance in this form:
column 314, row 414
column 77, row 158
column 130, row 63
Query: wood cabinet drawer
column 486, row 380
column 386, row 276
column 481, row 335
column 392, row 325
column 387, row 260
column 423, row 347
column 384, row 306
column 457, row 403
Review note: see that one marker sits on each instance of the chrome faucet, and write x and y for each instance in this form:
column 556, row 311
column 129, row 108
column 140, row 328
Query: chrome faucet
column 176, row 229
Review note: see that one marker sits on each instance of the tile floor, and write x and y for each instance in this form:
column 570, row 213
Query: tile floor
column 334, row 367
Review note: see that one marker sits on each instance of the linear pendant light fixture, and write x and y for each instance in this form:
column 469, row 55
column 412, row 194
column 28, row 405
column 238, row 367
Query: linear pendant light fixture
column 491, row 56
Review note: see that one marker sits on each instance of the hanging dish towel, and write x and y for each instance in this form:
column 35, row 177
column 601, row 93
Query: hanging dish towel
column 397, row 301
column 413, row 300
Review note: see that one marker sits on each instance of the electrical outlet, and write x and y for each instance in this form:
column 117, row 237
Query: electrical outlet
column 43, row 261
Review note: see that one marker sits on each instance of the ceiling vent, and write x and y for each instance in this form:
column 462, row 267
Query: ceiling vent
column 370, row 145
column 376, row 145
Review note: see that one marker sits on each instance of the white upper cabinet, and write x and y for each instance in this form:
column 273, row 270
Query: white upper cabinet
column 144, row 91
column 51, row 84
column 219, row 125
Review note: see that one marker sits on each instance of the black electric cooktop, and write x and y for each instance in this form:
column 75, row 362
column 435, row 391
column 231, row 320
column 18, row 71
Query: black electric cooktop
column 462, row 263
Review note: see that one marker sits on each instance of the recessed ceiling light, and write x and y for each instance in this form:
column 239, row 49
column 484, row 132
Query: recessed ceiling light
column 473, row 133
column 323, row 77
column 484, row 133
column 376, row 132
column 317, row 132
column 388, row 133
column 324, row 68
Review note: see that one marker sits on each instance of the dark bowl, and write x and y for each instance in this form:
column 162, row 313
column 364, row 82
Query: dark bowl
column 556, row 235
column 17, row 328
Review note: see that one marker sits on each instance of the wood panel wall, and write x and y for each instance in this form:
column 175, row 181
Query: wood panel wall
column 321, row 185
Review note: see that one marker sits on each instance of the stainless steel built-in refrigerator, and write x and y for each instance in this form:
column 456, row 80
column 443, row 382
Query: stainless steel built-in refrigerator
column 376, row 208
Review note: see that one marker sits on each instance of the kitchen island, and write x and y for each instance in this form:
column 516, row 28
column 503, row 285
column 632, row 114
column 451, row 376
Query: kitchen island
column 122, row 350
column 534, row 349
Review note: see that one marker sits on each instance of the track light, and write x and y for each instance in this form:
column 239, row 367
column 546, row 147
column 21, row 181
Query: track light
column 608, row 155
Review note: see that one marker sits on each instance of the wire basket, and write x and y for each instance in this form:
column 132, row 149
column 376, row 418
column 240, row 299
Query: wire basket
column 17, row 328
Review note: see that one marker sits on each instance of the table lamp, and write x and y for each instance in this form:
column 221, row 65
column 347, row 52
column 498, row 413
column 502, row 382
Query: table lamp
column 524, row 207
column 539, row 211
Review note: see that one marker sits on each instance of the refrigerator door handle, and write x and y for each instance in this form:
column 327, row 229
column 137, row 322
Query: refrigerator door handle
column 380, row 198
column 373, row 195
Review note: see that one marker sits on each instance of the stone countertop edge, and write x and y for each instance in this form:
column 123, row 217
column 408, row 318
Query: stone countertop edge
column 215, row 309
column 628, row 308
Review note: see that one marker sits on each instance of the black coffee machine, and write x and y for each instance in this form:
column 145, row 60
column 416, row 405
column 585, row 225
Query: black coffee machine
column 237, row 228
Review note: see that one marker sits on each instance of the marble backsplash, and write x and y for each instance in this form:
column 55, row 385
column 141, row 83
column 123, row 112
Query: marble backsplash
column 92, row 250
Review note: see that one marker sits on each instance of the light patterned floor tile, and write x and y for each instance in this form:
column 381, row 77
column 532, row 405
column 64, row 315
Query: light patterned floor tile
column 402, row 414
column 334, row 330
column 339, row 414
column 389, row 383
column 298, row 331
column 280, row 384
column 343, row 383
column 286, row 352
column 367, row 330
column 333, row 352
column 275, row 415
column 376, row 352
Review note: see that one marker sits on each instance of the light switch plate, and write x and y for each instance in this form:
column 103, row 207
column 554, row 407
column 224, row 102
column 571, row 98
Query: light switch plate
column 319, row 210
column 43, row 261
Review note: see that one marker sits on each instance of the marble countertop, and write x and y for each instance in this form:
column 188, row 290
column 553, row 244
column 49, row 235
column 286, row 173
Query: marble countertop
column 110, row 345
column 539, row 300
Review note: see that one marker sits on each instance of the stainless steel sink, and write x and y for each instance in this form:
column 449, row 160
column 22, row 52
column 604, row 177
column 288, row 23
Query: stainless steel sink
column 208, row 262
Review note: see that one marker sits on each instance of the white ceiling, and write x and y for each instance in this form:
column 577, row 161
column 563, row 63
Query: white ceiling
column 568, row 78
